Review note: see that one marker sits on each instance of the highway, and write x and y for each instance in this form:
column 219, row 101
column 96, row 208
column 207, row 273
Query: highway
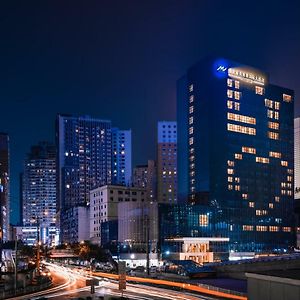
column 70, row 284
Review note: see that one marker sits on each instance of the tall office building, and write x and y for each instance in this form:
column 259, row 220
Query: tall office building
column 4, row 187
column 84, row 162
column 297, row 157
column 238, row 151
column 145, row 176
column 39, row 190
column 297, row 176
column 121, row 157
column 167, row 162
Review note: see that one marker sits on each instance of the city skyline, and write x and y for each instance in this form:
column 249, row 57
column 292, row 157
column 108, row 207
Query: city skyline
column 150, row 149
column 38, row 80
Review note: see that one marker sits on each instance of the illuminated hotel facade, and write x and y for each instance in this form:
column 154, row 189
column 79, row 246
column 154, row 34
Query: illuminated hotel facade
column 236, row 152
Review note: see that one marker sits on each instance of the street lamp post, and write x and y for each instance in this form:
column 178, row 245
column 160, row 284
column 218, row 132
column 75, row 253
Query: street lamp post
column 16, row 266
column 38, row 258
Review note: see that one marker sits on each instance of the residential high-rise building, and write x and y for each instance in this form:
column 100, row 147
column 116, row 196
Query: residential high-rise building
column 84, row 162
column 4, row 187
column 238, row 151
column 121, row 157
column 39, row 190
column 145, row 177
column 167, row 162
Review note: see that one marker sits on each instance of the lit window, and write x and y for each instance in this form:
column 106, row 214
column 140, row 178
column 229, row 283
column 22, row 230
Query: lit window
column 247, row 228
column 271, row 205
column 191, row 87
column 289, row 193
column 203, row 220
column 270, row 114
column 260, row 212
column 230, row 187
column 191, row 140
column 191, row 110
column 229, row 82
column 249, row 150
column 277, row 199
column 273, row 228
column 191, row 120
column 230, row 171
column 191, row 130
column 230, row 179
column 284, row 163
column 283, row 192
column 237, row 188
column 230, row 104
column 241, row 129
column 259, row 90
column 290, row 178
column 251, row 204
column 286, row 229
column 245, row 196
column 275, row 154
column 273, row 125
column 237, row 84
column 269, row 103
column 273, row 135
column 241, row 118
column 262, row 160
column 277, row 105
column 236, row 106
column 230, row 163
column 191, row 98
column 287, row 98
column 237, row 95
column 276, row 115
column 237, row 179
column 238, row 156
column 290, row 171
column 229, row 93
column 261, row 228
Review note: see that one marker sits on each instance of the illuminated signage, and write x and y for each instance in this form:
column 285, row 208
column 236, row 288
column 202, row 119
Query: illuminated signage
column 221, row 68
column 246, row 76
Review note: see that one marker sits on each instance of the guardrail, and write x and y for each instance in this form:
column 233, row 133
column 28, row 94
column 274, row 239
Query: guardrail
column 218, row 289
column 24, row 291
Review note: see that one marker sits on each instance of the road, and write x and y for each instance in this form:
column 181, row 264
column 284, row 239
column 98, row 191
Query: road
column 71, row 283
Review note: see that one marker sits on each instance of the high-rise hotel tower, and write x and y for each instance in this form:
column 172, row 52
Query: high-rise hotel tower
column 236, row 151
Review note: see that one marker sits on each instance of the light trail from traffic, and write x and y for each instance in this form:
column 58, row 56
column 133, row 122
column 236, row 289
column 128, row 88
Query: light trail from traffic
column 185, row 286
column 108, row 285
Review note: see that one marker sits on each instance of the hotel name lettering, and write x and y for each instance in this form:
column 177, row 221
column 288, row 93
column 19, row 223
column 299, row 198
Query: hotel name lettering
column 245, row 76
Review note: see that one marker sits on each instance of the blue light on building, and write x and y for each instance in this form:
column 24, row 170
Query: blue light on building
column 236, row 151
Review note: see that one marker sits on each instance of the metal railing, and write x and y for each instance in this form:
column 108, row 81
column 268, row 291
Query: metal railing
column 218, row 289
column 24, row 291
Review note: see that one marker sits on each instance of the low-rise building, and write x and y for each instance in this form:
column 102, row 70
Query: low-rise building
column 76, row 225
column 104, row 203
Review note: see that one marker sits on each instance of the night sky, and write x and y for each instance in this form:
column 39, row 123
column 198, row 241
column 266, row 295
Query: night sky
column 120, row 60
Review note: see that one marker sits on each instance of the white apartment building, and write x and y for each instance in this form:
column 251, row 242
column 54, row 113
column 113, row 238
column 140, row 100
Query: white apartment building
column 104, row 209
